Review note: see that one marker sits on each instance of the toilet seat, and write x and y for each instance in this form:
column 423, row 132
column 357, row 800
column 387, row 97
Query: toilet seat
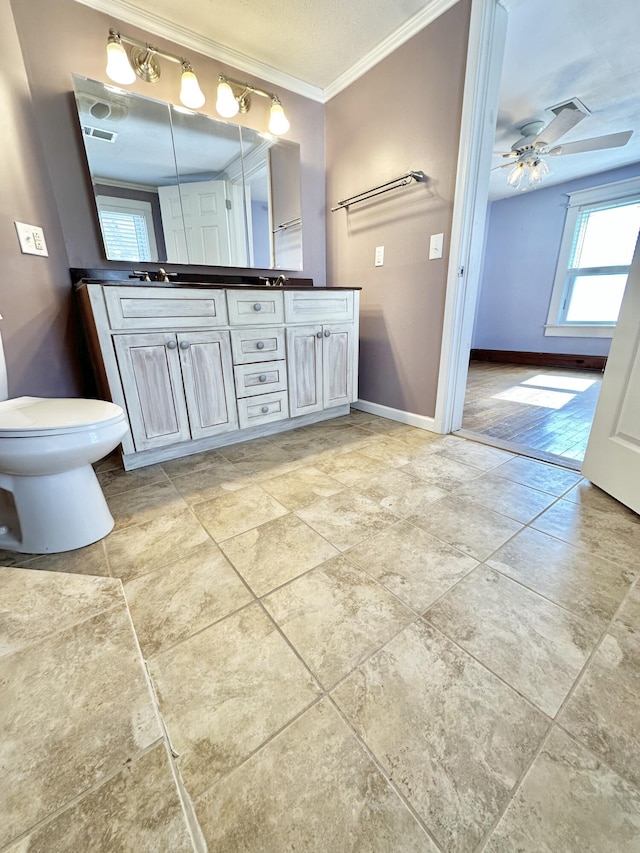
column 39, row 416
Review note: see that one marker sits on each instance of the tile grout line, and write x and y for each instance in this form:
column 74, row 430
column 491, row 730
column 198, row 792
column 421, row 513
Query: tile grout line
column 381, row 770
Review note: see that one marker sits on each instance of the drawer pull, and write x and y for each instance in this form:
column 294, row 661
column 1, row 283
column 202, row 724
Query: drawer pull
column 318, row 334
column 257, row 307
column 184, row 344
column 260, row 345
column 265, row 409
column 171, row 345
column 327, row 333
column 262, row 377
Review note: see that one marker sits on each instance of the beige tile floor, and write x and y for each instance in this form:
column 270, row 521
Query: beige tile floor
column 366, row 637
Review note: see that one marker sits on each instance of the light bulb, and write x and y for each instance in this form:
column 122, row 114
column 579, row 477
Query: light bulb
column 226, row 103
column 538, row 170
column 191, row 94
column 278, row 122
column 118, row 66
column 516, row 175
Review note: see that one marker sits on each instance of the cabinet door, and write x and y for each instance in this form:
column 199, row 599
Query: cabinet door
column 338, row 360
column 152, row 383
column 208, row 382
column 304, row 363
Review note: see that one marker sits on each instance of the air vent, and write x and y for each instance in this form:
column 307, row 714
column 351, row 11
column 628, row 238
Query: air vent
column 99, row 133
column 573, row 104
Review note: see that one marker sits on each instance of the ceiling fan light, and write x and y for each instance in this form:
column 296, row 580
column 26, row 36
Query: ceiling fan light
column 537, row 172
column 226, row 104
column 515, row 176
column 119, row 69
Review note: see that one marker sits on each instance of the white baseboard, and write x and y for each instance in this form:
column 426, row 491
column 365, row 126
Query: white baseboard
column 419, row 421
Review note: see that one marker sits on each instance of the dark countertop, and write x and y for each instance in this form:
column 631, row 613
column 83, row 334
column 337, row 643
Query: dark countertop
column 204, row 285
column 212, row 281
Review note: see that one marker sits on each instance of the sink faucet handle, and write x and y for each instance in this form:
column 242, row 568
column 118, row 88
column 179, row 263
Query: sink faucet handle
column 266, row 280
column 143, row 275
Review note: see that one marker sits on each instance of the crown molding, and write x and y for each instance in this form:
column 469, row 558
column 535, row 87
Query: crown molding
column 416, row 23
column 131, row 14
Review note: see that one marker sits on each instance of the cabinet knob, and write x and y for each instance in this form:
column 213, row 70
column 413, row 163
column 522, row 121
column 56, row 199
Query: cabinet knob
column 257, row 307
column 184, row 344
column 327, row 333
column 265, row 409
column 260, row 345
column 318, row 334
column 262, row 377
column 171, row 344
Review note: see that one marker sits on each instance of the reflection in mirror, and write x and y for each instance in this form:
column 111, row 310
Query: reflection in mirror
column 203, row 217
column 179, row 187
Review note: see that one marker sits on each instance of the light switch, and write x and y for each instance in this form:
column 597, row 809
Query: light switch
column 31, row 239
column 379, row 261
column 435, row 246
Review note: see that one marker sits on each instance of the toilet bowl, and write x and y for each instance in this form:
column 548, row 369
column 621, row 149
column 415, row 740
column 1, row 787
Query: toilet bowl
column 47, row 447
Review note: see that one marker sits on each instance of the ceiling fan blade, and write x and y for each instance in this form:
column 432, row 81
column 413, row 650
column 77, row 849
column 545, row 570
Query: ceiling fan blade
column 561, row 124
column 596, row 143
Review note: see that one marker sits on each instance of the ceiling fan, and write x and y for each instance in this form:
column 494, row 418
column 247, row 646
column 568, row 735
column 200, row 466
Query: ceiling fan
column 527, row 154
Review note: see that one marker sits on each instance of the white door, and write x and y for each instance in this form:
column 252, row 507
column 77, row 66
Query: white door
column 173, row 225
column 612, row 460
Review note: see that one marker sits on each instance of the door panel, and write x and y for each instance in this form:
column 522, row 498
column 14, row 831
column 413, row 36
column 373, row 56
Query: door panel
column 208, row 382
column 612, row 459
column 152, row 385
column 304, row 361
column 337, row 364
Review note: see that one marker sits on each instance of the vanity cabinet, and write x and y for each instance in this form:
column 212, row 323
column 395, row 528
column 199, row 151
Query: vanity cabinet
column 321, row 361
column 198, row 368
column 177, row 386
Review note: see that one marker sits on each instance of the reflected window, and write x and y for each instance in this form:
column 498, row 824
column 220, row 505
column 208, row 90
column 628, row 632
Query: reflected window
column 127, row 228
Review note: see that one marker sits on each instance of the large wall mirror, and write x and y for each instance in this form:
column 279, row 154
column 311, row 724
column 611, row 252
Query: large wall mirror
column 177, row 187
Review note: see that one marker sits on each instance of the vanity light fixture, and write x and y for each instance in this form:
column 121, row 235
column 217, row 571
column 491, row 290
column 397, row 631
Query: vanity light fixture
column 235, row 97
column 143, row 62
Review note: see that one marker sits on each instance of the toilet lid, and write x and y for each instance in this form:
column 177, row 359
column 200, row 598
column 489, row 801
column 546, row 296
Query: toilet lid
column 38, row 415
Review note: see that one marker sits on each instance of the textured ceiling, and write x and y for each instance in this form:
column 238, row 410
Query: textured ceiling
column 562, row 49
column 313, row 40
column 556, row 50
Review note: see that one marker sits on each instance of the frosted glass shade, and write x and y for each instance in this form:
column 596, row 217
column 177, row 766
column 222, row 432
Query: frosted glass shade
column 118, row 66
column 278, row 122
column 226, row 103
column 191, row 94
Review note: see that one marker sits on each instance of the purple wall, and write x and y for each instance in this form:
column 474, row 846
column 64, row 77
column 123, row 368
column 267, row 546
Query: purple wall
column 402, row 114
column 521, row 252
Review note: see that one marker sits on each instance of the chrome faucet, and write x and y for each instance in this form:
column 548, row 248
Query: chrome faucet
column 162, row 275
column 277, row 282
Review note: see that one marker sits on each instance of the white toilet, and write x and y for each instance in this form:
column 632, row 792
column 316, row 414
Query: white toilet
column 47, row 447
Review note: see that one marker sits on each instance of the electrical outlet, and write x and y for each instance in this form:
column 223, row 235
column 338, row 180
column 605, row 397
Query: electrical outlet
column 31, row 239
column 379, row 257
column 435, row 246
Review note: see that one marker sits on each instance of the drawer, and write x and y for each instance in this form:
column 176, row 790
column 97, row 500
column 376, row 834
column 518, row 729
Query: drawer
column 255, row 307
column 252, row 379
column 318, row 306
column 251, row 345
column 253, row 411
column 159, row 308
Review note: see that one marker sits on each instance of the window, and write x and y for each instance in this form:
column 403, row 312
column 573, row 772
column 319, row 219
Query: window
column 127, row 229
column 599, row 238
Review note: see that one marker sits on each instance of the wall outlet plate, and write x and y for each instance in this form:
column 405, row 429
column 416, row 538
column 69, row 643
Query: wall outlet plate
column 379, row 256
column 31, row 239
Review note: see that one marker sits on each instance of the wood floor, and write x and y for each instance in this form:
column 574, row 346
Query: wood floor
column 546, row 409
